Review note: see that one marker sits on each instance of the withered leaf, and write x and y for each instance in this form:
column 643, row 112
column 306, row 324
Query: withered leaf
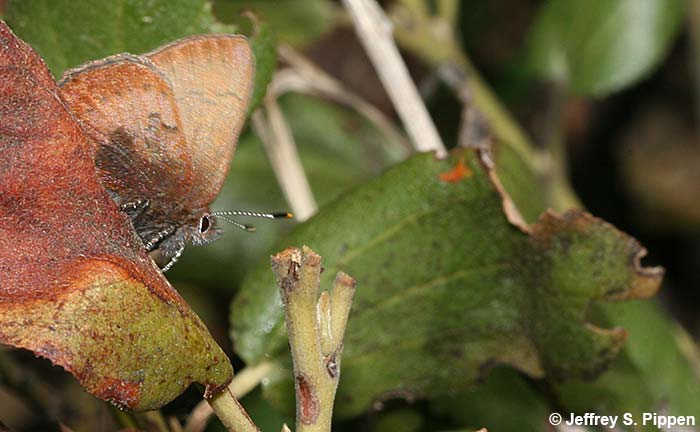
column 76, row 285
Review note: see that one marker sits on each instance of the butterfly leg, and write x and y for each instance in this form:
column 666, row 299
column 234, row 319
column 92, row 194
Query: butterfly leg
column 134, row 209
column 160, row 235
column 173, row 260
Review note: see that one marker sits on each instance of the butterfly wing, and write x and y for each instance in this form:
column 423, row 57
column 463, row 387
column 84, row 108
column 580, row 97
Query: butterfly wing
column 212, row 79
column 129, row 109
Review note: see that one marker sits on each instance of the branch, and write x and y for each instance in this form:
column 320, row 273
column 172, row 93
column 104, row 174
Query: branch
column 316, row 327
column 303, row 76
column 281, row 150
column 375, row 32
column 434, row 42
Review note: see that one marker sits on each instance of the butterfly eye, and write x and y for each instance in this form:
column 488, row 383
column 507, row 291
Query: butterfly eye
column 204, row 224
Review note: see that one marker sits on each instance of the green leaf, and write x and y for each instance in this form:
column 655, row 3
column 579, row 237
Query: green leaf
column 68, row 33
column 446, row 285
column 600, row 46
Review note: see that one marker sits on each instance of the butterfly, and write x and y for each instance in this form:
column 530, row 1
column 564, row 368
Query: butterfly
column 165, row 126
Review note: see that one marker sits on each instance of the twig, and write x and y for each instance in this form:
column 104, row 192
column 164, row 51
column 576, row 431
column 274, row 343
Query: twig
column 433, row 40
column 554, row 170
column 175, row 425
column 243, row 382
column 154, row 421
column 316, row 327
column 281, row 150
column 304, row 77
column 375, row 32
column 429, row 39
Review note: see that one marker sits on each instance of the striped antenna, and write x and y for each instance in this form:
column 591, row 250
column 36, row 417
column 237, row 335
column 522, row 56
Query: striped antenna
column 253, row 214
column 223, row 215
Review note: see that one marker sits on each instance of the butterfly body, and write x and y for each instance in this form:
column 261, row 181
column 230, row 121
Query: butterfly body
column 164, row 127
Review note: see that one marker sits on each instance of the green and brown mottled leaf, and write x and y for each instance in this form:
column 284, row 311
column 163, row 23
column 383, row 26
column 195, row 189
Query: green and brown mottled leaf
column 448, row 287
column 76, row 285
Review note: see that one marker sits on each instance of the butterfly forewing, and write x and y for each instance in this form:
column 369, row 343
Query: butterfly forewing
column 129, row 109
column 165, row 126
column 212, row 78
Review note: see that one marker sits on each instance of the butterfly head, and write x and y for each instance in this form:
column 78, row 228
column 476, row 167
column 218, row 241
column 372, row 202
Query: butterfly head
column 205, row 230
column 202, row 230
column 208, row 229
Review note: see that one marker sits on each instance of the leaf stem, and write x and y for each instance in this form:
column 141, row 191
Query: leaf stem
column 232, row 415
column 243, row 382
column 123, row 419
column 31, row 389
column 316, row 327
column 554, row 169
column 431, row 39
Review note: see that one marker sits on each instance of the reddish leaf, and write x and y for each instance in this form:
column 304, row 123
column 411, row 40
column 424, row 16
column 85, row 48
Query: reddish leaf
column 76, row 285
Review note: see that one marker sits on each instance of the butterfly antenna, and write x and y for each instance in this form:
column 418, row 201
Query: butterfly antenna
column 244, row 227
column 252, row 214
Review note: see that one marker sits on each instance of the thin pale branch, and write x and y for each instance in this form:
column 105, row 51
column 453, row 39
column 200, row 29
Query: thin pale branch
column 302, row 76
column 375, row 32
column 175, row 425
column 154, row 421
column 278, row 141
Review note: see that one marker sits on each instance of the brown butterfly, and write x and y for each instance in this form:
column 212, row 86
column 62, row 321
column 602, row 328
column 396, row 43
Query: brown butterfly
column 166, row 125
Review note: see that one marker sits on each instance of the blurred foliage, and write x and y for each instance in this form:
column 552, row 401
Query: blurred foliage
column 475, row 407
column 593, row 48
column 600, row 46
column 67, row 33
